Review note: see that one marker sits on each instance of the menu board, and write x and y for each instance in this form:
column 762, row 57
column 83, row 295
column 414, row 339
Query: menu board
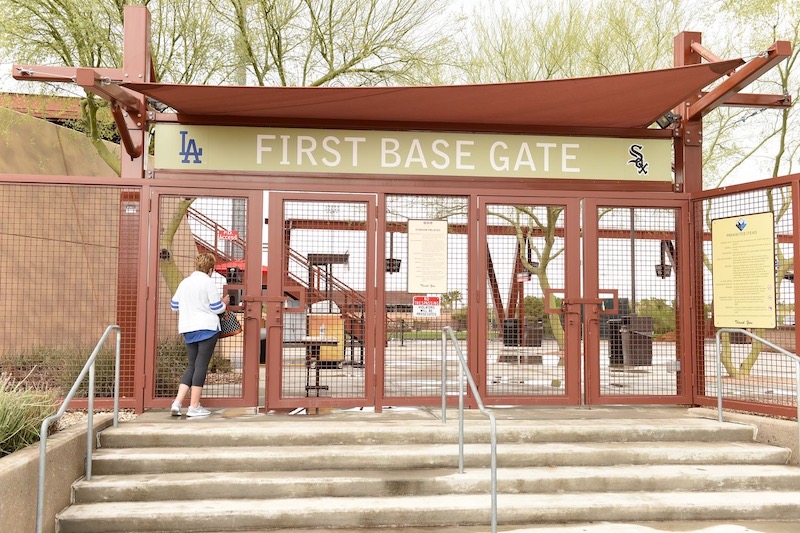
column 743, row 269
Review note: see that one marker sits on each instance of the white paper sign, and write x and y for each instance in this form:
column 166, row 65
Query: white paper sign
column 427, row 256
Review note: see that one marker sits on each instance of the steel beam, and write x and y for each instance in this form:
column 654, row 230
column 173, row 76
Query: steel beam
column 740, row 79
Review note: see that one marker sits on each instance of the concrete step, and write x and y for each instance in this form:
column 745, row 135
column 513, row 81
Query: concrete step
column 431, row 510
column 407, row 457
column 695, row 526
column 366, row 472
column 385, row 484
column 265, row 431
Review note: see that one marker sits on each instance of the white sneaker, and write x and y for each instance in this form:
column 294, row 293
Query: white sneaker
column 197, row 411
column 176, row 409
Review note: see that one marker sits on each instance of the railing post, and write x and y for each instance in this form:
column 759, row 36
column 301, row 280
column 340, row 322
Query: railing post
column 444, row 377
column 90, row 418
column 116, row 377
column 775, row 347
column 88, row 367
column 464, row 372
column 460, row 419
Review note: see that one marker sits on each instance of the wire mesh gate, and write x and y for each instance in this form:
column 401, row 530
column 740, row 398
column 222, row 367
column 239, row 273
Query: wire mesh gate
column 181, row 228
column 755, row 378
column 633, row 269
column 48, row 243
column 339, row 326
column 319, row 305
column 531, row 267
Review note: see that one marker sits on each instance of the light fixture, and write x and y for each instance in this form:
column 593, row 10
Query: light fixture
column 667, row 119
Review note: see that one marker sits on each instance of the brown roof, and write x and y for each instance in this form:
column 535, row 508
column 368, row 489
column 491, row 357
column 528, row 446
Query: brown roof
column 633, row 100
column 43, row 106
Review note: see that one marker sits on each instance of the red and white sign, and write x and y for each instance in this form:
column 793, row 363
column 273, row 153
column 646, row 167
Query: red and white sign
column 427, row 306
column 228, row 234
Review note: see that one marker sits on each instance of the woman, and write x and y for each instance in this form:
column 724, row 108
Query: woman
column 199, row 305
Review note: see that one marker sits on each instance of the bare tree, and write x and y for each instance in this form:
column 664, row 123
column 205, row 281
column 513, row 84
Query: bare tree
column 342, row 42
column 88, row 34
column 759, row 143
column 549, row 40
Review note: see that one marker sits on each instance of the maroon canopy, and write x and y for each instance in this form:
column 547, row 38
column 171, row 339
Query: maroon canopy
column 633, row 100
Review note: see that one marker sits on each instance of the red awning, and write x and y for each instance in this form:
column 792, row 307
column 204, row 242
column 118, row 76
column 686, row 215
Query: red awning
column 633, row 100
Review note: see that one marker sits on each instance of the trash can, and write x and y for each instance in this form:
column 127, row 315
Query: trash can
column 534, row 331
column 737, row 337
column 615, row 355
column 510, row 332
column 637, row 341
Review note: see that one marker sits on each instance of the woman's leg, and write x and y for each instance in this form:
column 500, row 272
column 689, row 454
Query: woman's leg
column 205, row 349
column 186, row 378
column 182, row 390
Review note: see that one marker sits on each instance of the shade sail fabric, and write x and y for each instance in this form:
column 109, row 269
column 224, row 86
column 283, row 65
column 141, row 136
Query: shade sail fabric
column 633, row 100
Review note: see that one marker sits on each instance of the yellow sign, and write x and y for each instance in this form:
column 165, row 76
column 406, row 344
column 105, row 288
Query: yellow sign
column 295, row 150
column 743, row 269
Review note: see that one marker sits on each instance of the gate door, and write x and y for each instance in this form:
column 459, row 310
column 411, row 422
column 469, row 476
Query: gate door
column 634, row 352
column 532, row 330
column 181, row 228
column 320, row 300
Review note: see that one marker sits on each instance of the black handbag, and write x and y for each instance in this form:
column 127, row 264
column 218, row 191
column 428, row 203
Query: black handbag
column 229, row 325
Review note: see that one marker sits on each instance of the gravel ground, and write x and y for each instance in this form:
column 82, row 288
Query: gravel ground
column 71, row 418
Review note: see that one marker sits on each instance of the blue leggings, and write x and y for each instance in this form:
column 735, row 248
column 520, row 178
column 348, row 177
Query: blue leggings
column 199, row 356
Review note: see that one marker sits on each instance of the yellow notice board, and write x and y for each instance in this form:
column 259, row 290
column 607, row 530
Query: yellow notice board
column 330, row 326
column 743, row 268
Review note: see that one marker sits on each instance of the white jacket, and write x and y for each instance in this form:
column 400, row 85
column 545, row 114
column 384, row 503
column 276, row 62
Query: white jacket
column 198, row 303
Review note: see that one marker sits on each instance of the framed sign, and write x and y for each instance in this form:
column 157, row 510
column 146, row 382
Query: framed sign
column 427, row 256
column 743, row 269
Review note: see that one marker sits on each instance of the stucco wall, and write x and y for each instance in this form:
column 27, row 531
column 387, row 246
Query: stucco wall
column 19, row 475
column 775, row 431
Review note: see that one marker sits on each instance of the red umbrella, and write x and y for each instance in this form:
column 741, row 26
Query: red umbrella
column 222, row 268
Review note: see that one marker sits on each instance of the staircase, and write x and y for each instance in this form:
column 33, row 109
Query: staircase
column 361, row 471
column 314, row 287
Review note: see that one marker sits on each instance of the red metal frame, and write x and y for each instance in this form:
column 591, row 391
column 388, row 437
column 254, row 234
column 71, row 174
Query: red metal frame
column 699, row 396
column 252, row 286
column 572, row 336
column 133, row 116
column 683, row 297
column 275, row 298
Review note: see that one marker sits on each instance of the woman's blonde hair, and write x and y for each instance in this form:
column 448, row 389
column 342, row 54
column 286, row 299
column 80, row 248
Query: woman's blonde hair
column 205, row 262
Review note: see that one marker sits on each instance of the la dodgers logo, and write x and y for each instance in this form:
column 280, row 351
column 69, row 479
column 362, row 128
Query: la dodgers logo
column 189, row 149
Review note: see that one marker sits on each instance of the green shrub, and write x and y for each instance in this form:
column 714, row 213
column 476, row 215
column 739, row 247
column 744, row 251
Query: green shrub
column 459, row 319
column 663, row 314
column 22, row 410
column 57, row 367
column 170, row 363
column 219, row 364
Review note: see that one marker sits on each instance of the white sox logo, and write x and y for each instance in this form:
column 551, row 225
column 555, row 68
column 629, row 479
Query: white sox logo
column 637, row 158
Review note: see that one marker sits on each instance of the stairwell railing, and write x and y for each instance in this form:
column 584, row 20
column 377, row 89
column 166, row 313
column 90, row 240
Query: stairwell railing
column 775, row 347
column 463, row 371
column 87, row 368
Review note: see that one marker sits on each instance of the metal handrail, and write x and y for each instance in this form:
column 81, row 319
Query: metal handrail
column 771, row 345
column 88, row 367
column 464, row 370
